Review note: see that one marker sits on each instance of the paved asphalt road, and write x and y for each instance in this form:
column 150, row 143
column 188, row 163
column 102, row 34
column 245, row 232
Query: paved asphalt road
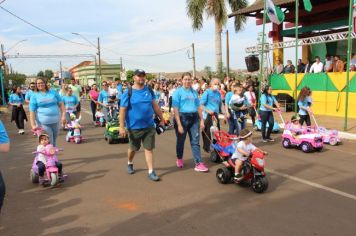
column 309, row 194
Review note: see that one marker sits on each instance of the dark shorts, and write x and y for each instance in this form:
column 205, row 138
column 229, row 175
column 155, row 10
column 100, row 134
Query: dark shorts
column 144, row 136
column 78, row 107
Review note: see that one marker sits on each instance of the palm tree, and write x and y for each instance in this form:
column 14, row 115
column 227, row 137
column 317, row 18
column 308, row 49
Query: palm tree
column 216, row 9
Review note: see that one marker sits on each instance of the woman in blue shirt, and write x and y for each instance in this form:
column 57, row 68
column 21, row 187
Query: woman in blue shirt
column 228, row 112
column 4, row 147
column 70, row 103
column 304, row 104
column 267, row 101
column 103, row 99
column 47, row 106
column 18, row 113
column 210, row 102
column 188, row 119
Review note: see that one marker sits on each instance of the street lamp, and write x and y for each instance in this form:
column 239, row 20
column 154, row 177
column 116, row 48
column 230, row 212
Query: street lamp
column 23, row 40
column 95, row 46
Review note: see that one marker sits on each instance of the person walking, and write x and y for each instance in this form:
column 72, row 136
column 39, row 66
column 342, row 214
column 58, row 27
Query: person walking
column 93, row 96
column 251, row 98
column 77, row 91
column 188, row 119
column 210, row 102
column 70, row 103
column 304, row 104
column 30, row 92
column 267, row 101
column 228, row 112
column 103, row 99
column 18, row 113
column 4, row 147
column 48, row 107
column 137, row 108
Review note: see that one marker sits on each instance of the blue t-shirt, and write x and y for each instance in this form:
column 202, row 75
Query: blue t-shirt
column 211, row 100
column 46, row 106
column 139, row 114
column 186, row 100
column 70, row 101
column 103, row 97
column 15, row 98
column 4, row 138
column 29, row 95
column 305, row 104
column 228, row 98
column 119, row 91
column 157, row 94
column 269, row 100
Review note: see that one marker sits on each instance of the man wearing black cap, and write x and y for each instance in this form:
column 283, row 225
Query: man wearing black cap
column 137, row 108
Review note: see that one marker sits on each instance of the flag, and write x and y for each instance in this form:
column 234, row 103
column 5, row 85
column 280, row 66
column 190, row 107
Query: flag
column 274, row 13
column 307, row 5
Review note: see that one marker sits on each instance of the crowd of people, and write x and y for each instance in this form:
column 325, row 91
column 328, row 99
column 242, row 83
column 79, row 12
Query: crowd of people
column 331, row 64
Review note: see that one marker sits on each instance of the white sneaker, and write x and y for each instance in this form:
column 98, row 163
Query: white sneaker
column 21, row 131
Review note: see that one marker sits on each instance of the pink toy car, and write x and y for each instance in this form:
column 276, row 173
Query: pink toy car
column 330, row 136
column 308, row 142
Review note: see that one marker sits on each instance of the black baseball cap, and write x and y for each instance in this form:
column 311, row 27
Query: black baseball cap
column 139, row 72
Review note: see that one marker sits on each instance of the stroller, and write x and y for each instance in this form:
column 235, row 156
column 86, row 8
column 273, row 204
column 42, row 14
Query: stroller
column 223, row 145
column 258, row 125
column 112, row 134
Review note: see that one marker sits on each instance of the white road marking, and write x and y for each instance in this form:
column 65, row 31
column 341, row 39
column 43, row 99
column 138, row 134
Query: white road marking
column 312, row 184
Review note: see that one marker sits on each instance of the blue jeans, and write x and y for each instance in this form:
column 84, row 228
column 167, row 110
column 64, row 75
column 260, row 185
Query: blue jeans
column 52, row 130
column 190, row 123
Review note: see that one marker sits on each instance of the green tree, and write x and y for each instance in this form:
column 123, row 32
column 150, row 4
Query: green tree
column 208, row 71
column 48, row 74
column 16, row 79
column 129, row 75
column 149, row 76
column 217, row 10
column 40, row 74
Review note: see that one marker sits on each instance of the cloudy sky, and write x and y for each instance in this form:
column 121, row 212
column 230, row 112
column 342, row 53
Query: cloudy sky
column 126, row 29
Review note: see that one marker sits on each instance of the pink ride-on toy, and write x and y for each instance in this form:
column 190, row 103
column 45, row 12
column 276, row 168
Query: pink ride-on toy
column 307, row 141
column 329, row 136
column 52, row 176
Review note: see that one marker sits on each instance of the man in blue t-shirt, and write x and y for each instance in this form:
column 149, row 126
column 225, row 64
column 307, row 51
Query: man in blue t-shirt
column 30, row 92
column 137, row 108
column 4, row 147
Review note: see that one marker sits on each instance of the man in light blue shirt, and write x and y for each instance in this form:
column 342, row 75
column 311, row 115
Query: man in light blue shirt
column 4, row 147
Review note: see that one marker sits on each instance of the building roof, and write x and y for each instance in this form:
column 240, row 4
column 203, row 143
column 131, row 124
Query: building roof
column 258, row 6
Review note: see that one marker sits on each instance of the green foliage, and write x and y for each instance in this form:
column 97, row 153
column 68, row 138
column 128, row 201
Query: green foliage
column 47, row 74
column 16, row 78
column 208, row 71
column 40, row 74
column 129, row 75
column 149, row 76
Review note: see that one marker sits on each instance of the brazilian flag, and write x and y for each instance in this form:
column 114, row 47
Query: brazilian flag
column 307, row 5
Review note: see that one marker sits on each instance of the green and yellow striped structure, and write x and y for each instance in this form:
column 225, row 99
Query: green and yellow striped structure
column 328, row 89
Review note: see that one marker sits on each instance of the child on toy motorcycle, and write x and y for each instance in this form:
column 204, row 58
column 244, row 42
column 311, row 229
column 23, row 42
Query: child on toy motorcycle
column 43, row 140
column 243, row 151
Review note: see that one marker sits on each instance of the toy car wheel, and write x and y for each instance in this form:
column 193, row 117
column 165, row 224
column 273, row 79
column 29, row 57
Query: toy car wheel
column 318, row 149
column 110, row 140
column 54, row 179
column 223, row 175
column 260, row 185
column 67, row 139
column 286, row 143
column 333, row 141
column 214, row 156
column 306, row 147
column 34, row 177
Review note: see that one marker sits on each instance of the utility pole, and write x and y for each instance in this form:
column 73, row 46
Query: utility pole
column 194, row 68
column 121, row 68
column 2, row 75
column 61, row 73
column 227, row 54
column 99, row 62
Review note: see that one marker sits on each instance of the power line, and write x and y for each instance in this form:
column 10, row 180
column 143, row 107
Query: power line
column 147, row 55
column 42, row 30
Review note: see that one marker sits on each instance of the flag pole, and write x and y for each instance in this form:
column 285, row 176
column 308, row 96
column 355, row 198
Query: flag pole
column 348, row 64
column 296, row 54
column 263, row 42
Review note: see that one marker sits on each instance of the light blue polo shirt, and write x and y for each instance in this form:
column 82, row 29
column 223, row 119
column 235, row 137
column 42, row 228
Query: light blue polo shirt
column 269, row 100
column 228, row 98
column 29, row 95
column 70, row 101
column 46, row 106
column 4, row 138
column 103, row 97
column 186, row 100
column 15, row 98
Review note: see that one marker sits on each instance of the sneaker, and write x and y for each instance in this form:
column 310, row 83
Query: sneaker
column 264, row 140
column 238, row 178
column 153, row 176
column 179, row 163
column 130, row 169
column 201, row 167
column 270, row 139
column 21, row 131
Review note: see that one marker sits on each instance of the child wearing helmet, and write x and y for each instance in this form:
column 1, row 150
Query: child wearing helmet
column 243, row 151
column 43, row 141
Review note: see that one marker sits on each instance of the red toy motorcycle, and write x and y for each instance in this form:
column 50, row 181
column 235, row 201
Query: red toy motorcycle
column 252, row 170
